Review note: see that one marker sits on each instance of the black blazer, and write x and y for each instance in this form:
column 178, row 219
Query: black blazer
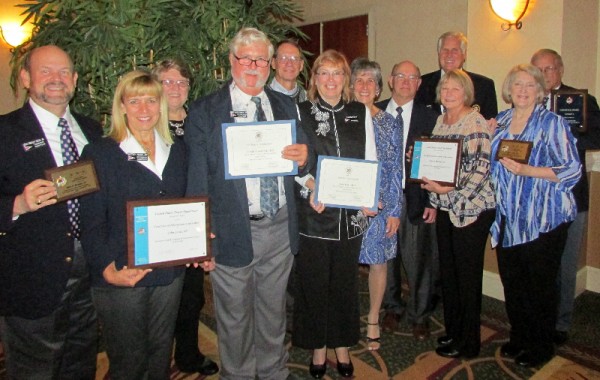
column 103, row 214
column 485, row 93
column 585, row 140
column 422, row 122
column 36, row 250
column 230, row 219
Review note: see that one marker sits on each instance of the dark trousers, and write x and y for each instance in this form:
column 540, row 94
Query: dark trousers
column 187, row 352
column 417, row 248
column 528, row 272
column 138, row 324
column 326, row 304
column 62, row 345
column 461, row 252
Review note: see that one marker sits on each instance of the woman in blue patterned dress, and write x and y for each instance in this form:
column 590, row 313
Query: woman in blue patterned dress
column 380, row 240
column 535, row 206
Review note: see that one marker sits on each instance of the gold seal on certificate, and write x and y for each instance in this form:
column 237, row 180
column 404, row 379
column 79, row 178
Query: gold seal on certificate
column 572, row 105
column 75, row 180
column 167, row 232
column 515, row 150
column 347, row 182
column 437, row 160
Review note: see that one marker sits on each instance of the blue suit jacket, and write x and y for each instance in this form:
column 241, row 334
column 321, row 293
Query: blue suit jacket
column 228, row 198
column 36, row 250
column 422, row 121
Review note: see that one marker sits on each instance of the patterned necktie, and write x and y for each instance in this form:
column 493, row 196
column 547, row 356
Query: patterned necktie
column 70, row 156
column 269, row 188
column 545, row 102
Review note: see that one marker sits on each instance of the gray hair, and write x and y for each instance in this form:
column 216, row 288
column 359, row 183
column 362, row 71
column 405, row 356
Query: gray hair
column 458, row 35
column 248, row 36
column 363, row 65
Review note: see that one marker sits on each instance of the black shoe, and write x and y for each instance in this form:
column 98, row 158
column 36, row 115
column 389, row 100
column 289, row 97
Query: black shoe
column 509, row 350
column 527, row 359
column 560, row 337
column 206, row 367
column 444, row 340
column 345, row 369
column 317, row 370
column 448, row 352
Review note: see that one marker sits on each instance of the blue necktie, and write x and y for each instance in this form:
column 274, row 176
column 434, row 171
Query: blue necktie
column 70, row 156
column 269, row 188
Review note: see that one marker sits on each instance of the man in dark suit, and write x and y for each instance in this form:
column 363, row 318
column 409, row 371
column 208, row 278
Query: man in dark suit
column 254, row 243
column 452, row 53
column 48, row 324
column 551, row 65
column 417, row 239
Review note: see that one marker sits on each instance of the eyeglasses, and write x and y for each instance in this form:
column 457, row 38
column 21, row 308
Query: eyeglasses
column 401, row 76
column 329, row 74
column 181, row 83
column 548, row 69
column 294, row 60
column 246, row 61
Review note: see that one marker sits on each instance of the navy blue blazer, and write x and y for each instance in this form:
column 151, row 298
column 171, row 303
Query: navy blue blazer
column 422, row 122
column 228, row 198
column 485, row 93
column 103, row 214
column 36, row 250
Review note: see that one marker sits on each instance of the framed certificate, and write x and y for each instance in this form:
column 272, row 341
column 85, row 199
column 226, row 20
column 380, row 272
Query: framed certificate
column 254, row 149
column 347, row 182
column 437, row 160
column 514, row 149
column 74, row 180
column 167, row 232
column 572, row 105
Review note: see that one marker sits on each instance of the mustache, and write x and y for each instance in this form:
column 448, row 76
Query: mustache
column 252, row 72
column 56, row 84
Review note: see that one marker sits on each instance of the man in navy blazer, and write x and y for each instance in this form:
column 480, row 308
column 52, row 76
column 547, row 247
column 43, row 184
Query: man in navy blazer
column 417, row 247
column 253, row 248
column 552, row 67
column 452, row 53
column 48, row 323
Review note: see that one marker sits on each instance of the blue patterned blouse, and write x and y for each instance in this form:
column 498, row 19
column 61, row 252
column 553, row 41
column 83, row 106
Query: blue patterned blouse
column 533, row 205
column 376, row 247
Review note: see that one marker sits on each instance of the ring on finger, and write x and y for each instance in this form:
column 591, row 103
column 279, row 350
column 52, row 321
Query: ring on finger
column 38, row 202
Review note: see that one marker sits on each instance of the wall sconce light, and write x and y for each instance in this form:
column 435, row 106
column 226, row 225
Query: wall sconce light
column 511, row 11
column 14, row 34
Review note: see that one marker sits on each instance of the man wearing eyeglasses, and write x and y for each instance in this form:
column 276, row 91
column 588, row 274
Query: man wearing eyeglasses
column 254, row 243
column 452, row 54
column 288, row 63
column 551, row 65
column 417, row 241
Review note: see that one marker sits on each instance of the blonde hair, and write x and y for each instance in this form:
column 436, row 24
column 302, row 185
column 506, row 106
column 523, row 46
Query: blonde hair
column 136, row 83
column 463, row 80
column 512, row 76
column 334, row 58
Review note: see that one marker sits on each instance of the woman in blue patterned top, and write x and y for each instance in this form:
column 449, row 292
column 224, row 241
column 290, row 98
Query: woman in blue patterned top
column 535, row 207
column 465, row 214
column 380, row 241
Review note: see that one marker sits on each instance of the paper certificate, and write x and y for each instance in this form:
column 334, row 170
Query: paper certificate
column 167, row 232
column 254, row 149
column 437, row 160
column 347, row 182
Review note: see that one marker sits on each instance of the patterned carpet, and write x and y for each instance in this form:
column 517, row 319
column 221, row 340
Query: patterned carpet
column 402, row 357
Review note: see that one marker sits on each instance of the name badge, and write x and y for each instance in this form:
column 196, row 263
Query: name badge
column 137, row 157
column 242, row 114
column 34, row 144
column 351, row 119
